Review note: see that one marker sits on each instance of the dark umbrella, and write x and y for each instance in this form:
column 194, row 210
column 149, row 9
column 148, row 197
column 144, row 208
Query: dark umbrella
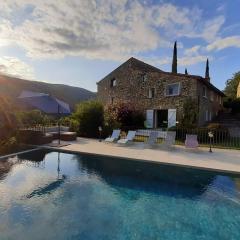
column 46, row 103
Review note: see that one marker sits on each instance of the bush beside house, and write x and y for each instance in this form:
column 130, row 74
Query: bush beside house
column 89, row 115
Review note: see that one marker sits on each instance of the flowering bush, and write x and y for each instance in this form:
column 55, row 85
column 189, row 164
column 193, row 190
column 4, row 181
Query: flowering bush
column 124, row 116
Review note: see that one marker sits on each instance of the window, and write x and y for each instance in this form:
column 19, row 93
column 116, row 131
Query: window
column 210, row 116
column 220, row 100
column 204, row 92
column 212, row 96
column 113, row 82
column 206, row 115
column 151, row 93
column 173, row 89
column 144, row 77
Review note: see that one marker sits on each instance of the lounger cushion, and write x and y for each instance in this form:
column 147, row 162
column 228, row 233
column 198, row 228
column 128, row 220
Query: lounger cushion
column 123, row 141
column 110, row 139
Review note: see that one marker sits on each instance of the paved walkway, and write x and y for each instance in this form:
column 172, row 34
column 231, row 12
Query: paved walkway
column 219, row 160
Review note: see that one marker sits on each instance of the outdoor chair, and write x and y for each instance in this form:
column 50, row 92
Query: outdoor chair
column 129, row 138
column 152, row 139
column 170, row 139
column 114, row 137
column 191, row 141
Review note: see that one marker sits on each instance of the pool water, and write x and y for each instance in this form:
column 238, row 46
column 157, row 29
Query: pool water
column 51, row 195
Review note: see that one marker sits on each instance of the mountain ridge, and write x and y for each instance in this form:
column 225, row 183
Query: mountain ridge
column 11, row 87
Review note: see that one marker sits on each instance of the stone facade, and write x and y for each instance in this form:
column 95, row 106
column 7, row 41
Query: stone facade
column 147, row 88
column 238, row 91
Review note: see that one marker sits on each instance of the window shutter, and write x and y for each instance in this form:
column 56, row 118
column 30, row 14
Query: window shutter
column 172, row 115
column 149, row 118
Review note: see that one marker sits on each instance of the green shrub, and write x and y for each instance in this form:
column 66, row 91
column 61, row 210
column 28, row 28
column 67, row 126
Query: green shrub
column 33, row 117
column 236, row 106
column 233, row 104
column 190, row 114
column 70, row 122
column 89, row 115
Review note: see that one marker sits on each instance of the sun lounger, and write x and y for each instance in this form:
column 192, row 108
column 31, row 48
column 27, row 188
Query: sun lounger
column 191, row 141
column 152, row 139
column 129, row 138
column 170, row 139
column 114, row 137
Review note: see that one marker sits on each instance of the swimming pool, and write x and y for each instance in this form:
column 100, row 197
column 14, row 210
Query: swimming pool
column 56, row 195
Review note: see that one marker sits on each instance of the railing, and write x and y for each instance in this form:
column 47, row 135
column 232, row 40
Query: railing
column 36, row 127
column 221, row 137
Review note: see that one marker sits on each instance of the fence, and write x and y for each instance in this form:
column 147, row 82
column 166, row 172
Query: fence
column 221, row 137
column 37, row 127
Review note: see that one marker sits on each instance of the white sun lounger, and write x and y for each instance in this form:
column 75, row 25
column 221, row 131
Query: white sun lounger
column 170, row 139
column 114, row 137
column 129, row 138
column 152, row 139
column 191, row 141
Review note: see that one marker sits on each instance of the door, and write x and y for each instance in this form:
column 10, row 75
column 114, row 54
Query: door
column 149, row 118
column 162, row 119
column 172, row 115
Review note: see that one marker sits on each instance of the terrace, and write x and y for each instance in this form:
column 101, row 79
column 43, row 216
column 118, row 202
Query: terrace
column 223, row 160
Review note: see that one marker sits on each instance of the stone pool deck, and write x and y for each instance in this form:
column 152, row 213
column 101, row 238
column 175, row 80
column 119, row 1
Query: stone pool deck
column 220, row 160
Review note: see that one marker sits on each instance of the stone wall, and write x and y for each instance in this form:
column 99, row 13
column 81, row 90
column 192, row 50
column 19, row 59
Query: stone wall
column 238, row 91
column 212, row 103
column 133, row 84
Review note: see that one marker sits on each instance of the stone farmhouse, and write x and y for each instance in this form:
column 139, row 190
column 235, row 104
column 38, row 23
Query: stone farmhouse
column 160, row 95
column 238, row 91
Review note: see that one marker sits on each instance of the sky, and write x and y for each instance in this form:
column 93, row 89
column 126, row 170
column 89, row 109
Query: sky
column 78, row 42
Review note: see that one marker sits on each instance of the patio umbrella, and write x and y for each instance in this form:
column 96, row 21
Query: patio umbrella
column 47, row 104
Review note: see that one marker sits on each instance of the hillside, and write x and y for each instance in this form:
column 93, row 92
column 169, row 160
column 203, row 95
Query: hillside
column 10, row 88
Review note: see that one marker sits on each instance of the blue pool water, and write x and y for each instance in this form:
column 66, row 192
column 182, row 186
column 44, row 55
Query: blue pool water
column 50, row 195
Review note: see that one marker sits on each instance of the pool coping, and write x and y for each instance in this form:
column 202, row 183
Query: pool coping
column 145, row 160
column 21, row 152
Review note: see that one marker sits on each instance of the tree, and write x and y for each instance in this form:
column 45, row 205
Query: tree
column 207, row 70
column 90, row 115
column 190, row 113
column 174, row 60
column 232, row 85
column 186, row 72
column 33, row 117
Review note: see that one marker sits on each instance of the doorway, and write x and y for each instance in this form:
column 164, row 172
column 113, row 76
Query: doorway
column 161, row 118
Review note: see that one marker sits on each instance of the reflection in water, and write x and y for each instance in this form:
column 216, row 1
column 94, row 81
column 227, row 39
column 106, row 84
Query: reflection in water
column 109, row 198
column 33, row 156
column 155, row 178
column 48, row 188
column 5, row 167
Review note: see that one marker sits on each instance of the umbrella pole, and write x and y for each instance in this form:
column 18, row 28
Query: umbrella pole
column 59, row 130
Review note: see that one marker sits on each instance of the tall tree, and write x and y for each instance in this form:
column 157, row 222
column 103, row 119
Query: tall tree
column 174, row 60
column 207, row 70
column 186, row 72
column 232, row 85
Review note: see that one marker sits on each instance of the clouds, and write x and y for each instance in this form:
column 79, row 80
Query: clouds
column 15, row 67
column 100, row 29
column 221, row 43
